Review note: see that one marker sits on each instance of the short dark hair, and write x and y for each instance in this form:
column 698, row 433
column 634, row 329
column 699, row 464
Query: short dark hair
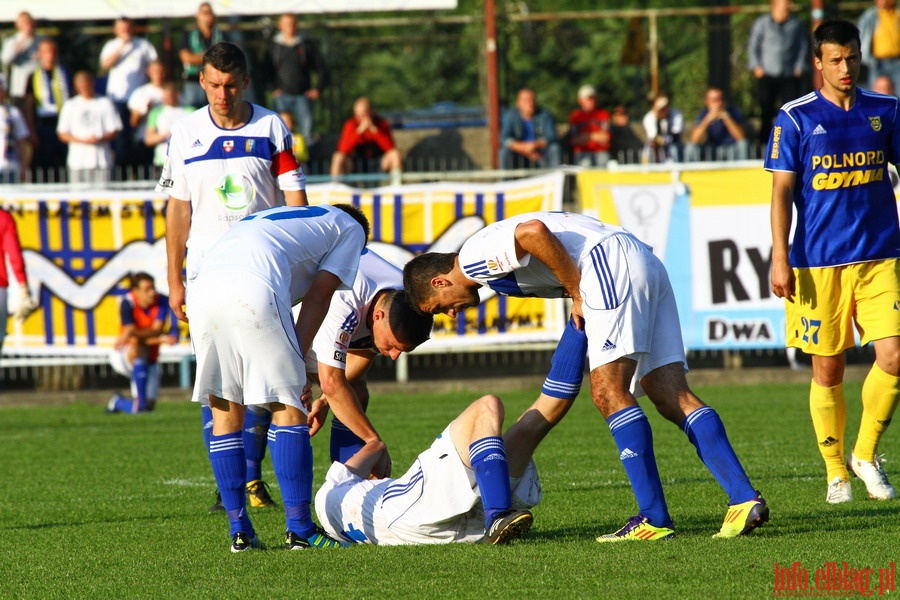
column 418, row 272
column 411, row 326
column 357, row 215
column 135, row 279
column 225, row 57
column 835, row 31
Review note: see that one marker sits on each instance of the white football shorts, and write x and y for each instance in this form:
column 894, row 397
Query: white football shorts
column 629, row 307
column 435, row 502
column 244, row 340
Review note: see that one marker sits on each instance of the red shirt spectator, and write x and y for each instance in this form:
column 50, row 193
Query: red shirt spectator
column 366, row 136
column 369, row 142
column 589, row 128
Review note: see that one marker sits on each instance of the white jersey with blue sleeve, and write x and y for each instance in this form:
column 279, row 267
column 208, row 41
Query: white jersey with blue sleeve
column 489, row 256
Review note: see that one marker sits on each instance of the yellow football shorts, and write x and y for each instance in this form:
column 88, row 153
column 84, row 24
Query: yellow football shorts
column 830, row 301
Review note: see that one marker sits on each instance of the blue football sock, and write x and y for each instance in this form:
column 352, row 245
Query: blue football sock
column 567, row 365
column 226, row 454
column 488, row 459
column 139, row 374
column 206, row 422
column 344, row 443
column 125, row 405
column 634, row 439
column 706, row 432
column 292, row 458
column 255, row 435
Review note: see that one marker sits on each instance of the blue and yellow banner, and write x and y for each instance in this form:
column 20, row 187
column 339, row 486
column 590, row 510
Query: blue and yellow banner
column 80, row 247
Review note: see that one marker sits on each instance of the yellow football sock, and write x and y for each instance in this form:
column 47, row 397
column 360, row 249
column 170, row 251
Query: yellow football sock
column 880, row 395
column 829, row 416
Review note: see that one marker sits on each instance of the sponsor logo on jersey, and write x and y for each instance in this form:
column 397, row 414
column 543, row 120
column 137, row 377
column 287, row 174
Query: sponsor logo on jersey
column 249, row 145
column 235, row 191
column 776, row 140
column 875, row 122
column 166, row 183
column 819, row 130
column 340, row 356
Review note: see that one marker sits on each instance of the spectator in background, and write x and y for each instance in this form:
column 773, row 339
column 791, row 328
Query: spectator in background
column 141, row 102
column 147, row 324
column 11, row 252
column 160, row 120
column 47, row 90
column 19, row 55
column 365, row 138
column 125, row 58
column 14, row 134
column 719, row 132
column 879, row 32
column 88, row 124
column 664, row 126
column 778, row 57
column 294, row 63
column 301, row 150
column 883, row 85
column 589, row 130
column 194, row 44
column 528, row 136
column 626, row 145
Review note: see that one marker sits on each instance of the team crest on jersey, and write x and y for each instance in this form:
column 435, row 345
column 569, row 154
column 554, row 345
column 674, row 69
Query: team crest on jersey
column 492, row 265
column 875, row 122
column 228, row 145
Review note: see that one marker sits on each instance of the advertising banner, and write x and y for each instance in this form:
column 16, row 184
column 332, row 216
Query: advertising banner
column 79, row 248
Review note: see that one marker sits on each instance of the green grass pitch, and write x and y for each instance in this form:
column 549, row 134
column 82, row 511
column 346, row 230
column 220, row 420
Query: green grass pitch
column 114, row 506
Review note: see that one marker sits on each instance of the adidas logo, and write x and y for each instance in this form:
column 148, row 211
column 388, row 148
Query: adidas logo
column 197, row 143
column 608, row 346
column 897, row 305
column 829, row 441
column 628, row 453
column 819, row 130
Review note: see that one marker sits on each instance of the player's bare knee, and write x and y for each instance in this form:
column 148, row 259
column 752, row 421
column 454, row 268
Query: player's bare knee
column 490, row 406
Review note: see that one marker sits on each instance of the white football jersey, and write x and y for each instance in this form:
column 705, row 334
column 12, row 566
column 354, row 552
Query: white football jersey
column 489, row 256
column 227, row 174
column 285, row 247
column 345, row 326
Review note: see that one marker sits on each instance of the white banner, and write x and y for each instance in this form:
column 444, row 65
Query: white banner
column 61, row 10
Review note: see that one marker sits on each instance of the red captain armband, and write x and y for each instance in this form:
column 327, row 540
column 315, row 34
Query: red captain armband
column 284, row 162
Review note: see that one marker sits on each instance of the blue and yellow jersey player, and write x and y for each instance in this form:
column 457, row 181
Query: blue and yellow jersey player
column 828, row 153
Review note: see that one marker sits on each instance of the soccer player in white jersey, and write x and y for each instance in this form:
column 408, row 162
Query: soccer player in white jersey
column 623, row 298
column 374, row 317
column 250, row 351
column 471, row 485
column 225, row 161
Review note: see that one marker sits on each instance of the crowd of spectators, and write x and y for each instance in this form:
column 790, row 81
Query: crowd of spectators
column 42, row 94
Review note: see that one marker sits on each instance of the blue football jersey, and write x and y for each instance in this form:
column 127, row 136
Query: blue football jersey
column 846, row 208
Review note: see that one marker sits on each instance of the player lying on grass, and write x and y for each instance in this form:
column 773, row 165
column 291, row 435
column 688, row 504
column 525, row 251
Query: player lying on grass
column 471, row 485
